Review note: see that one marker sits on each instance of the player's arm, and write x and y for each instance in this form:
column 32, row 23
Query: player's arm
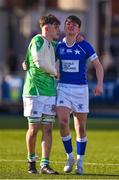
column 100, row 75
column 92, row 56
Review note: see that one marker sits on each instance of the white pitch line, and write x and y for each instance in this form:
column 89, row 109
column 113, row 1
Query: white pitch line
column 60, row 162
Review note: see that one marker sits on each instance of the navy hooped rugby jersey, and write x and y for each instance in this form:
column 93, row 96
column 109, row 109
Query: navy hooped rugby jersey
column 72, row 61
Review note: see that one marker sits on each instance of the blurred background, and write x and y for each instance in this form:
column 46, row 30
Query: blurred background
column 100, row 26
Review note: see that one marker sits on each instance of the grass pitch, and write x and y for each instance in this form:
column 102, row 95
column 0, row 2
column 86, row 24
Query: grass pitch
column 101, row 159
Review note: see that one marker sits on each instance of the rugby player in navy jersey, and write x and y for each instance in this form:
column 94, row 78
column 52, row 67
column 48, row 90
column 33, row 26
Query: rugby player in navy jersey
column 72, row 90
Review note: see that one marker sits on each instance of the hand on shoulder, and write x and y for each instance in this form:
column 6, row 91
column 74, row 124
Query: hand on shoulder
column 24, row 65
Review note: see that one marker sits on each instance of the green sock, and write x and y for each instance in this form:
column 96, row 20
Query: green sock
column 31, row 157
column 44, row 162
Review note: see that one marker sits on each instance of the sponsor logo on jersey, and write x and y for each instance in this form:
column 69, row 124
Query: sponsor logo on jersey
column 70, row 65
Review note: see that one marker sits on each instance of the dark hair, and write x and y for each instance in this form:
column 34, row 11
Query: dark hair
column 74, row 19
column 49, row 19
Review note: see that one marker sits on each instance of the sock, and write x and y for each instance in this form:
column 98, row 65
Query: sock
column 80, row 159
column 81, row 147
column 44, row 162
column 70, row 156
column 68, row 146
column 32, row 157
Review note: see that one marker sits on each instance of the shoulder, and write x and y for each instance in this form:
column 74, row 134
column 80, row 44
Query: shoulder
column 54, row 43
column 60, row 43
column 37, row 42
column 84, row 43
column 37, row 39
column 86, row 46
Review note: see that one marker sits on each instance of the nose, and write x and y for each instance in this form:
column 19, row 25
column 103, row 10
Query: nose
column 58, row 30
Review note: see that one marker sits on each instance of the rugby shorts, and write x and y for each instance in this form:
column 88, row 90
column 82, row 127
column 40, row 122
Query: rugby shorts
column 36, row 107
column 75, row 97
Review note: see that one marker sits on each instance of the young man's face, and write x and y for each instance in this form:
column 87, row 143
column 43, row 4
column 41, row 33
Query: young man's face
column 54, row 31
column 71, row 28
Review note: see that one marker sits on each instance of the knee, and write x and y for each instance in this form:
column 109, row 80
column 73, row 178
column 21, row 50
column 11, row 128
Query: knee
column 32, row 132
column 63, row 123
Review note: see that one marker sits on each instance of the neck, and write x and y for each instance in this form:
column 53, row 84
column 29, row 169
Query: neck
column 46, row 36
column 70, row 40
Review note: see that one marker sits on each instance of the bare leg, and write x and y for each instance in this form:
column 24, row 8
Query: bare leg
column 80, row 120
column 46, row 144
column 31, row 138
column 46, row 141
column 63, row 114
column 64, row 119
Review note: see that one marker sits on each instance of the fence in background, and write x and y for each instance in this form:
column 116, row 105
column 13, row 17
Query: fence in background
column 11, row 89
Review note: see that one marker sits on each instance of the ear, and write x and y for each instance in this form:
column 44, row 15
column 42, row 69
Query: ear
column 46, row 28
column 79, row 30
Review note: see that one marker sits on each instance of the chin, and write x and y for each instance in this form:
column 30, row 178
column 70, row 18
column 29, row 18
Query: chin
column 57, row 37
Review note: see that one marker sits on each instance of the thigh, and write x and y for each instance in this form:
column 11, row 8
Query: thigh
column 33, row 127
column 63, row 113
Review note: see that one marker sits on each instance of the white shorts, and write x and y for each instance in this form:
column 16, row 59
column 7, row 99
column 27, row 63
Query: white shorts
column 75, row 97
column 37, row 106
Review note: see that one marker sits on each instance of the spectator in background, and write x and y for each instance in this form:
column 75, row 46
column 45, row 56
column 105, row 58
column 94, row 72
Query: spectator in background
column 12, row 62
column 106, row 60
column 109, row 66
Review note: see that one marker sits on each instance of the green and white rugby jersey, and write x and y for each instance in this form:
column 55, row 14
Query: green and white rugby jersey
column 37, row 81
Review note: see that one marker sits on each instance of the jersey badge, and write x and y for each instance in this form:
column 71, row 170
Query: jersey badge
column 62, row 51
column 77, row 51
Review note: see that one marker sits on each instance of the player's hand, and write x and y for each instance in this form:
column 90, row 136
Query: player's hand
column 57, row 76
column 24, row 65
column 79, row 38
column 98, row 91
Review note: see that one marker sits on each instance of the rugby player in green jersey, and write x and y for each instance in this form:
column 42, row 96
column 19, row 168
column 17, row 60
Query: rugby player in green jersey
column 39, row 92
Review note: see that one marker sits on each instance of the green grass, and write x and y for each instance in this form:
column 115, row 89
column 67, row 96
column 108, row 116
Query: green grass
column 101, row 159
